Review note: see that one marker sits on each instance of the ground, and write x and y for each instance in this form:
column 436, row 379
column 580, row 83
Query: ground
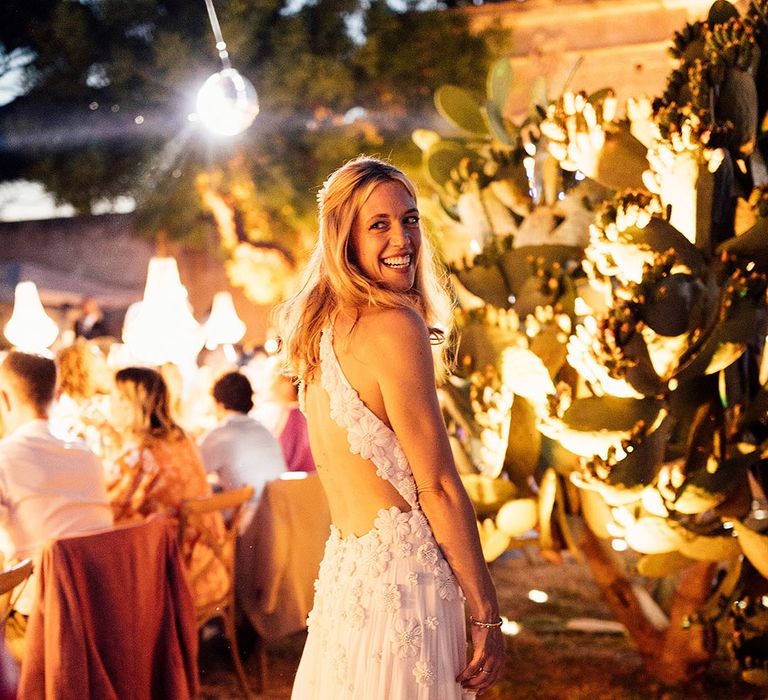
column 545, row 660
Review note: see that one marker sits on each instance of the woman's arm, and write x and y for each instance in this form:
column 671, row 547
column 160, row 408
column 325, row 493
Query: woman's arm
column 396, row 345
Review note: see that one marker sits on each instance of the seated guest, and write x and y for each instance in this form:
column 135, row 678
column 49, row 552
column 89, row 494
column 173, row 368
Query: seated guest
column 159, row 466
column 82, row 407
column 48, row 487
column 291, row 426
column 240, row 450
column 90, row 323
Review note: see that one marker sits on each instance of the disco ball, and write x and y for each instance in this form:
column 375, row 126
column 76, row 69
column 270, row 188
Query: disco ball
column 227, row 103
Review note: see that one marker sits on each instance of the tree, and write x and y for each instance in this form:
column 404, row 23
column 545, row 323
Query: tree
column 109, row 86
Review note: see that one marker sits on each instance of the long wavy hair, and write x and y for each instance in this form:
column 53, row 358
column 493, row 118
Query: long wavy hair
column 147, row 393
column 332, row 279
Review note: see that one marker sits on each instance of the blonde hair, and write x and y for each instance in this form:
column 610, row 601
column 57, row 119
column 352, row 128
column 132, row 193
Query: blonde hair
column 332, row 279
column 147, row 392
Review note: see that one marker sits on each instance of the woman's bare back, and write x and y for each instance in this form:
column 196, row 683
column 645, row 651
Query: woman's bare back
column 355, row 493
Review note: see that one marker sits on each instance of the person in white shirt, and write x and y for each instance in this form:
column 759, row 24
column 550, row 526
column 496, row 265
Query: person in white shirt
column 48, row 487
column 240, row 450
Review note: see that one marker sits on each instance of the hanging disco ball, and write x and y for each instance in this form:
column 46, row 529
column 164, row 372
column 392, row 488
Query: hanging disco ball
column 227, row 103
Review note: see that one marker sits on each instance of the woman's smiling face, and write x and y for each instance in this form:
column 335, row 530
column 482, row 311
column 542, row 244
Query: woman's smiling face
column 386, row 237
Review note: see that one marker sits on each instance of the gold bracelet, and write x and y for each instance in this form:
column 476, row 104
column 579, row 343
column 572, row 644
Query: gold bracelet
column 480, row 623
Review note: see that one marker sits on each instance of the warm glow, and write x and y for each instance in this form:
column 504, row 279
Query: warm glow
column 223, row 326
column 227, row 103
column 163, row 328
column 585, row 443
column 623, row 516
column 653, row 502
column 538, row 596
column 583, row 360
column 271, row 346
column 510, row 627
column 676, row 173
column 293, row 476
column 523, row 372
column 30, row 329
column 665, row 351
column 581, row 308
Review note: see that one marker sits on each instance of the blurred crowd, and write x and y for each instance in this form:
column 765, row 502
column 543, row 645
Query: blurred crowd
column 99, row 403
column 87, row 444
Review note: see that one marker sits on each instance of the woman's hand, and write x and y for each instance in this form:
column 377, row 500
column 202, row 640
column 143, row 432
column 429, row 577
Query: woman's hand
column 396, row 341
column 488, row 659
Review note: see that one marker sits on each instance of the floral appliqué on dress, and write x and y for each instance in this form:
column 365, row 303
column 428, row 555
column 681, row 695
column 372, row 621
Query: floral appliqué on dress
column 388, row 614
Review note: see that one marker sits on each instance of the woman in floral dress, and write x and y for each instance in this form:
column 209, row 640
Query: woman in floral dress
column 365, row 335
column 158, row 468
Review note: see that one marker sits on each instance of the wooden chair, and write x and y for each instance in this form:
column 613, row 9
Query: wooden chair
column 222, row 544
column 11, row 581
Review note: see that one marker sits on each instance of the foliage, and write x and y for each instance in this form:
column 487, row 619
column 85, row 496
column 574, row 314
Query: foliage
column 109, row 86
column 605, row 249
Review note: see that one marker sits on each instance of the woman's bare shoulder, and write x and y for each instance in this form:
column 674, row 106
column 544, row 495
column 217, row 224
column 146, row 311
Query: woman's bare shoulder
column 387, row 336
column 378, row 327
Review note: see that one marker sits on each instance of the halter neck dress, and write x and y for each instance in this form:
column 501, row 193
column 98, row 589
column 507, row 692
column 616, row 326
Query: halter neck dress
column 388, row 616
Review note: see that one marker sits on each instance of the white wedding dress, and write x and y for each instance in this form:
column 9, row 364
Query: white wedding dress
column 388, row 617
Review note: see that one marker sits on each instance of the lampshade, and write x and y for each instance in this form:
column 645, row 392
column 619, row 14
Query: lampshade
column 163, row 328
column 30, row 329
column 223, row 326
column 227, row 103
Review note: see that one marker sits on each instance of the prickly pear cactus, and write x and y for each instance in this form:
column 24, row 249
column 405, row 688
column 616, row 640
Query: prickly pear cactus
column 612, row 279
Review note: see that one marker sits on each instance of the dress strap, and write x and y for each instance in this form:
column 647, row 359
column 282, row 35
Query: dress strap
column 367, row 434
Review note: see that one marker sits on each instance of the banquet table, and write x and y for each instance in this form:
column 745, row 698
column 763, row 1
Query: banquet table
column 279, row 553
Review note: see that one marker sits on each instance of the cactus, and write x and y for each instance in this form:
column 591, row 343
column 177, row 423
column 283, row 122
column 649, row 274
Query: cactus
column 459, row 107
column 721, row 11
column 646, row 342
column 731, row 44
column 499, row 83
column 688, row 43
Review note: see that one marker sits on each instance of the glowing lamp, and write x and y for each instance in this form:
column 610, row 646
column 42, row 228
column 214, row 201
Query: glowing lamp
column 30, row 329
column 227, row 103
column 223, row 326
column 163, row 329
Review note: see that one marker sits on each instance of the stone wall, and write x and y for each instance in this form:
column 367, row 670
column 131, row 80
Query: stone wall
column 621, row 43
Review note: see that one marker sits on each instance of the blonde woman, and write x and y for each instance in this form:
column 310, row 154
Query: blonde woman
column 158, row 467
column 388, row 620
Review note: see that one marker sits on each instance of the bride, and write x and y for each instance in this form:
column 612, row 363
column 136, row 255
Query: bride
column 403, row 553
